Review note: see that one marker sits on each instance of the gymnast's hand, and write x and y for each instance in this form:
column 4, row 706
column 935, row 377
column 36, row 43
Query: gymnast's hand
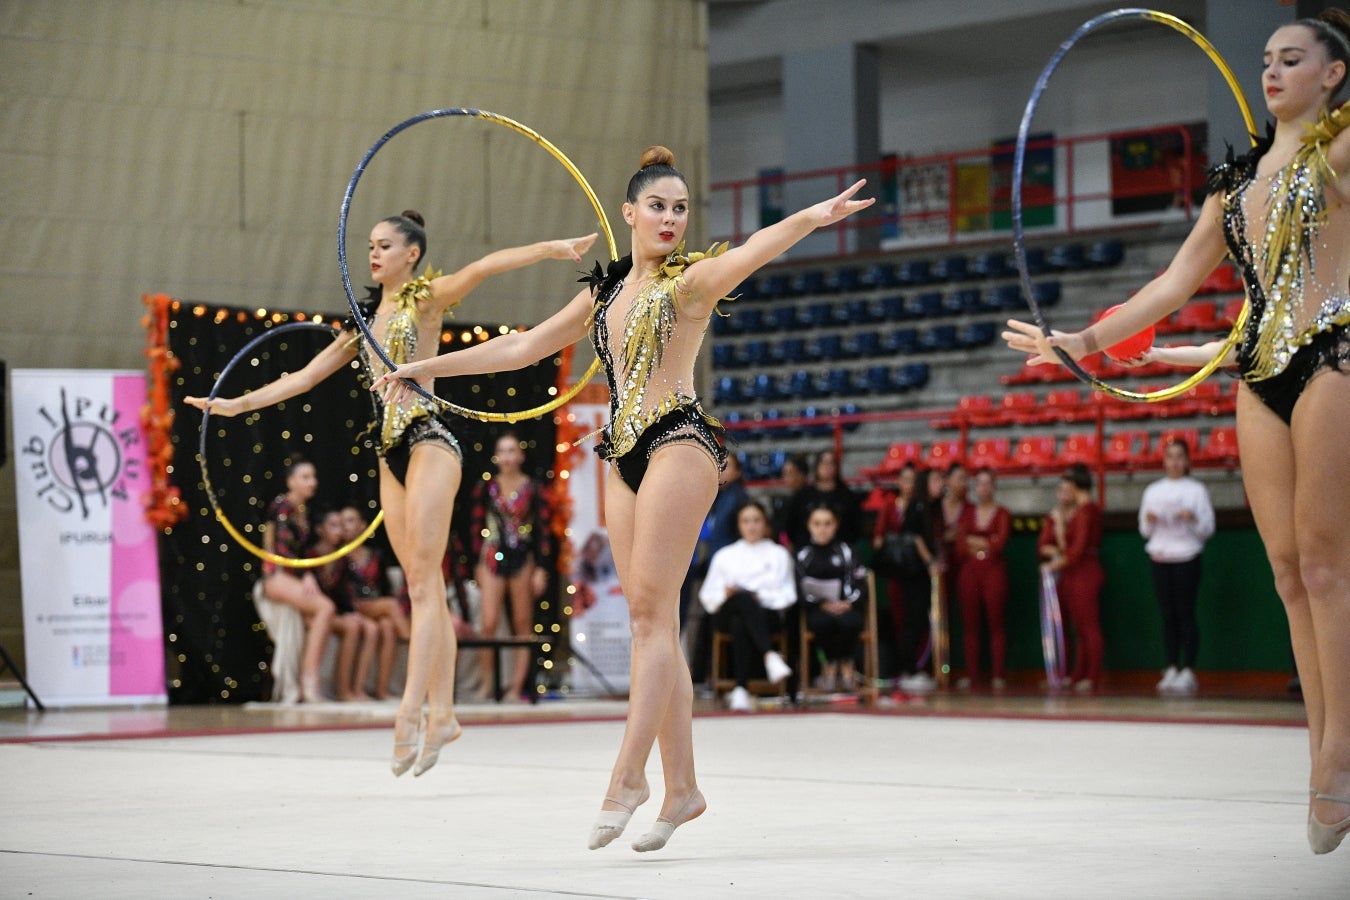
column 1026, row 337
column 828, row 212
column 228, row 407
column 571, row 248
column 393, row 385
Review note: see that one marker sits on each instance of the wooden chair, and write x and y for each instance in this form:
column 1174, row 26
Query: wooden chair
column 719, row 672
column 867, row 639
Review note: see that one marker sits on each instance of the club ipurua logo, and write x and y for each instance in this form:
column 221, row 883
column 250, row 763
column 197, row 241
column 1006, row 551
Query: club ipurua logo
column 81, row 463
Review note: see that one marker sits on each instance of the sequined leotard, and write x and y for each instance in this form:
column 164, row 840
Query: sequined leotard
column 648, row 355
column 1293, row 251
column 414, row 421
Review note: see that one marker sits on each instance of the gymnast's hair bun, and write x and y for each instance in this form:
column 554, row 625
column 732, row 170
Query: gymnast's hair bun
column 656, row 156
column 415, row 216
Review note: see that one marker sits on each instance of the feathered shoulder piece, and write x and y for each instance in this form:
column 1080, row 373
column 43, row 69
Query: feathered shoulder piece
column 675, row 264
column 1234, row 170
column 600, row 279
column 1320, row 134
column 367, row 308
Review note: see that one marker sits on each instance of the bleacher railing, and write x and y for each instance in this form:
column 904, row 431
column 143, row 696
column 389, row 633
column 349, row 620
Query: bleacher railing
column 945, row 217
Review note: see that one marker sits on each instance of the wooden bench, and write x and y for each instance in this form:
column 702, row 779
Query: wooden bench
column 511, row 642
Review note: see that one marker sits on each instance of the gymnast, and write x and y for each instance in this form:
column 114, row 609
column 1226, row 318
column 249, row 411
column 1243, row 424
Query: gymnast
column 420, row 460
column 647, row 316
column 1281, row 212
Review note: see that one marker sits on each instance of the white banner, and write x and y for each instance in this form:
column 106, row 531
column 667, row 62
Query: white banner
column 88, row 560
column 599, row 627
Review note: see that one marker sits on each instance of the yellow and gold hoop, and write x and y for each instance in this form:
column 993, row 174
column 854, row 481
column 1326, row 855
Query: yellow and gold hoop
column 261, row 552
column 553, row 151
column 1019, row 161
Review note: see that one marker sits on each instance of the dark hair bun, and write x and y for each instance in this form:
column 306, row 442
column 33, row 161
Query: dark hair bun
column 415, row 216
column 656, row 156
column 1337, row 18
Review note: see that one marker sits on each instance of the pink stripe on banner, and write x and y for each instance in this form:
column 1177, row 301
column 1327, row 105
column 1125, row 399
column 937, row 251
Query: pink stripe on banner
column 136, row 650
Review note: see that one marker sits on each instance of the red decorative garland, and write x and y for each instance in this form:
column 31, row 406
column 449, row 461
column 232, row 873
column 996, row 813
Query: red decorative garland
column 164, row 505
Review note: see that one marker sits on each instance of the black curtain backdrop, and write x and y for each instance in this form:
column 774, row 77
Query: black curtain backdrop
column 217, row 649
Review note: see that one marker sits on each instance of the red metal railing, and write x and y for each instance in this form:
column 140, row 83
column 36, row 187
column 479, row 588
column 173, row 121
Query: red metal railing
column 1189, row 173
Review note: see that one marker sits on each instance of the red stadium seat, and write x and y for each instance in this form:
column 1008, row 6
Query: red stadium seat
column 1231, row 309
column 1205, row 399
column 941, row 454
column 1125, row 449
column 1190, row 435
column 1034, row 454
column 1223, row 280
column 896, row 456
column 1018, row 408
column 1060, row 405
column 1198, row 315
column 1080, row 448
column 990, row 453
column 1220, row 446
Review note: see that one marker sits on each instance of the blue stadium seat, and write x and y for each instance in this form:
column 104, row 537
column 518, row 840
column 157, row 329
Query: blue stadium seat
column 774, row 286
column 991, row 265
column 826, row 347
column 782, row 317
column 880, row 275
column 1066, row 258
column 864, row 343
column 911, row 376
column 890, row 308
column 938, row 338
column 976, row 334
column 723, row 326
column 799, row 384
column 913, row 272
column 724, row 356
column 1047, row 292
column 789, row 351
column 755, row 354
column 808, row 282
column 926, row 305
column 762, row 387
column 820, row 430
column 848, row 409
column 878, row 379
column 851, row 312
column 838, row 382
column 1004, row 297
column 749, row 319
column 727, row 390
column 901, row 341
column 845, row 279
column 747, row 289
column 814, row 315
column 1105, row 253
column 952, row 268
column 963, row 301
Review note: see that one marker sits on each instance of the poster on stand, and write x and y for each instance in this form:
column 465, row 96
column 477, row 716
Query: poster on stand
column 601, row 641
column 88, row 559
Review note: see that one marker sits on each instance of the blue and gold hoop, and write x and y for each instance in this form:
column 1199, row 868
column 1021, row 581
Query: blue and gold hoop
column 260, row 552
column 553, row 151
column 1019, row 160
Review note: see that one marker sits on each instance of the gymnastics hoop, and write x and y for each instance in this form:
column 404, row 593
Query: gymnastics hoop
column 1019, row 160
column 1052, row 632
column 347, row 280
column 260, row 552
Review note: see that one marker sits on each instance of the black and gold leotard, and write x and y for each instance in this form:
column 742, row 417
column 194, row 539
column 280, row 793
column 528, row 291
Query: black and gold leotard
column 404, row 425
column 1288, row 244
column 649, row 364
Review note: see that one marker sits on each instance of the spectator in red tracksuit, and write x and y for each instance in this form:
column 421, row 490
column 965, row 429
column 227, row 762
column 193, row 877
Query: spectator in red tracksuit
column 982, row 578
column 1069, row 543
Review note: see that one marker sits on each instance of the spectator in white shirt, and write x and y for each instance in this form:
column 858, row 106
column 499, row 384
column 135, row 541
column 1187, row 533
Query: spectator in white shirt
column 1176, row 517
column 749, row 588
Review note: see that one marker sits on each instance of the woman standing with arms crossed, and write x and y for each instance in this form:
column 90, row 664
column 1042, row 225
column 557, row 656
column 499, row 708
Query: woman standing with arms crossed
column 647, row 319
column 1282, row 213
column 419, row 456
column 511, row 542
